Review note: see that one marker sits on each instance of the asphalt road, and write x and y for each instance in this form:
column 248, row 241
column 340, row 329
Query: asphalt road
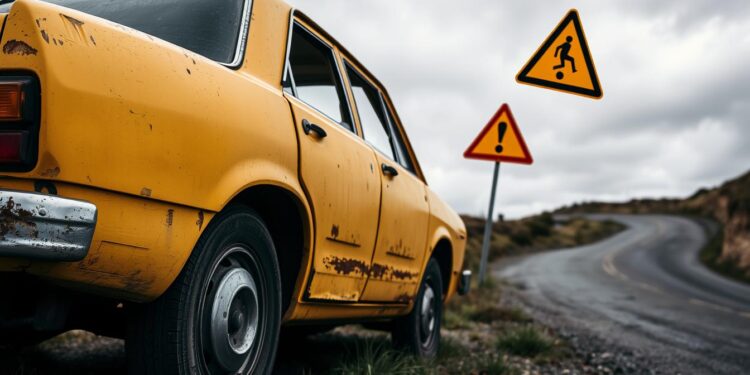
column 645, row 290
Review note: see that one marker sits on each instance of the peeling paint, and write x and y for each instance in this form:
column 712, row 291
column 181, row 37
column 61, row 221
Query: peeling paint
column 345, row 266
column 146, row 192
column 170, row 217
column 51, row 172
column 45, row 36
column 73, row 21
column 400, row 251
column 199, row 222
column 348, row 266
column 388, row 273
column 13, row 216
column 17, row 47
column 404, row 298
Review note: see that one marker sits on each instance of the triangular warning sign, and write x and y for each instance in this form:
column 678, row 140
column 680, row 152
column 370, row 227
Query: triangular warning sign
column 563, row 62
column 500, row 140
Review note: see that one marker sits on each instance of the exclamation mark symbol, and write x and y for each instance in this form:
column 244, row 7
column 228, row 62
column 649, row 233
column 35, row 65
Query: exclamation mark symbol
column 501, row 128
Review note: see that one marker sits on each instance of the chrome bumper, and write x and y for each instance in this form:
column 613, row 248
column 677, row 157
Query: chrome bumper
column 464, row 283
column 45, row 227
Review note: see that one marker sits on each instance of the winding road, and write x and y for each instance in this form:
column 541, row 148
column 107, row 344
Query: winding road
column 645, row 290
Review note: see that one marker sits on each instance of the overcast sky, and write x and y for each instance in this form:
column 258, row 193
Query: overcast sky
column 674, row 117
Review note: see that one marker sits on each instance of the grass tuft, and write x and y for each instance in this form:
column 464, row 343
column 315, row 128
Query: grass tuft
column 372, row 357
column 527, row 341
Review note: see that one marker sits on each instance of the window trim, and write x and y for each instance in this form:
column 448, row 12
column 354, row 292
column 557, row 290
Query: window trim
column 288, row 74
column 243, row 38
column 399, row 143
column 348, row 66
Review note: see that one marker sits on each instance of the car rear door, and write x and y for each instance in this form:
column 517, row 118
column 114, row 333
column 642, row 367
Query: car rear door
column 338, row 171
column 402, row 230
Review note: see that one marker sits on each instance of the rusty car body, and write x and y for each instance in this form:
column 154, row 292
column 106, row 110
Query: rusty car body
column 119, row 150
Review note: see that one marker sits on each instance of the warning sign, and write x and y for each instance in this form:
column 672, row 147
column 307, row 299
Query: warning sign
column 563, row 62
column 500, row 140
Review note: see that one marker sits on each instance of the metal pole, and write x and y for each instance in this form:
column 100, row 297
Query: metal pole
column 488, row 227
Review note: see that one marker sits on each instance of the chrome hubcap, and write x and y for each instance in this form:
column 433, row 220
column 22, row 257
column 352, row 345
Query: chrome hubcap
column 427, row 315
column 234, row 318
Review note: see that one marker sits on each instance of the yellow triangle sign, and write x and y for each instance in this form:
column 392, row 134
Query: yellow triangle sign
column 500, row 140
column 563, row 62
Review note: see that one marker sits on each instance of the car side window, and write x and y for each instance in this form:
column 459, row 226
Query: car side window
column 403, row 155
column 314, row 78
column 375, row 127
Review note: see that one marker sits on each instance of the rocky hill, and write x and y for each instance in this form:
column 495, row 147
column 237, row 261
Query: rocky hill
column 729, row 204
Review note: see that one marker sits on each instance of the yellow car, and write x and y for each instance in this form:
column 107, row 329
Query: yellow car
column 195, row 175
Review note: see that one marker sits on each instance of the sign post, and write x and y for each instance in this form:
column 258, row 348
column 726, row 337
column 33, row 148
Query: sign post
column 488, row 226
column 499, row 140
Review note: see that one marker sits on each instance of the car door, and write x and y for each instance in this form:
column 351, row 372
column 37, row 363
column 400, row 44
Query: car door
column 404, row 211
column 337, row 170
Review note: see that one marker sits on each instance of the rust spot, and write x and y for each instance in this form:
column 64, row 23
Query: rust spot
column 38, row 24
column 92, row 39
column 335, row 231
column 388, row 273
column 188, row 71
column 170, row 217
column 146, row 192
column 45, row 36
column 11, row 217
column 61, row 42
column 403, row 275
column 199, row 222
column 345, row 266
column 400, row 251
column 378, row 270
column 51, row 172
column 17, row 47
column 404, row 298
column 54, row 40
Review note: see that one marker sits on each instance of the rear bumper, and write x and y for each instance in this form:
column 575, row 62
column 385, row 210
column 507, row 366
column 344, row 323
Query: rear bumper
column 45, row 227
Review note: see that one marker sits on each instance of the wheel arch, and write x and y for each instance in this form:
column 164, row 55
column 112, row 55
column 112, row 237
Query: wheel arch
column 288, row 219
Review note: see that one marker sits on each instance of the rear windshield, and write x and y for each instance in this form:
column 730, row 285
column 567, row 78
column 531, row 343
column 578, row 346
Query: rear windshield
column 210, row 28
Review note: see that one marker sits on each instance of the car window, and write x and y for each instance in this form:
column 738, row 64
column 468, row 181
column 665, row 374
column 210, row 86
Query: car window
column 375, row 128
column 403, row 155
column 208, row 28
column 315, row 78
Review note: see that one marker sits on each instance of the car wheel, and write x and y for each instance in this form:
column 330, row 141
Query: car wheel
column 419, row 332
column 222, row 314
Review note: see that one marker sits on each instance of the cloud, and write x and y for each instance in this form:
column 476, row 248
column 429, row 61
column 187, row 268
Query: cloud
column 675, row 77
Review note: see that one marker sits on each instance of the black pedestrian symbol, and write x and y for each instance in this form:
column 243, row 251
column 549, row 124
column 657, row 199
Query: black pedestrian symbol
column 563, row 51
column 501, row 128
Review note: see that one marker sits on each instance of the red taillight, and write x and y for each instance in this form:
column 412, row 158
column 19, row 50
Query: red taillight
column 20, row 114
column 11, row 101
column 10, row 147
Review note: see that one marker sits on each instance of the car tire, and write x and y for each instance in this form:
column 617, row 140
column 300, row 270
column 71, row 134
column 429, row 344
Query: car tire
column 419, row 332
column 222, row 313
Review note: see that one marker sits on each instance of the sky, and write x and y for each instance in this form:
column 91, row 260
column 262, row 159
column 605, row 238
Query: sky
column 674, row 117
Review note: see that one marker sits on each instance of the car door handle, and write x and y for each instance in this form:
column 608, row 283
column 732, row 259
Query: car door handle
column 308, row 127
column 388, row 170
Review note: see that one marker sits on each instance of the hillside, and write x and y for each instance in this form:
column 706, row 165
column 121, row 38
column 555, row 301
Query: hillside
column 728, row 204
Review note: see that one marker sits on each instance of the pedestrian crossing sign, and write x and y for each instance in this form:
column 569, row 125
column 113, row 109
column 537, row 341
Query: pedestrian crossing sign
column 563, row 62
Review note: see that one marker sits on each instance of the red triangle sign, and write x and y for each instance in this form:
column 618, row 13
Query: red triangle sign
column 500, row 140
